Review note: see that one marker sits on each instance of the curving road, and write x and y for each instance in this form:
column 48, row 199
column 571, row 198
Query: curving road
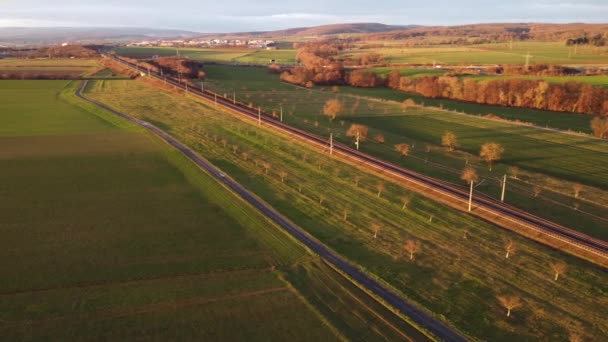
column 578, row 240
column 420, row 317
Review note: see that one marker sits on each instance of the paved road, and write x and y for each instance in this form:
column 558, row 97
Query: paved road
column 507, row 212
column 420, row 317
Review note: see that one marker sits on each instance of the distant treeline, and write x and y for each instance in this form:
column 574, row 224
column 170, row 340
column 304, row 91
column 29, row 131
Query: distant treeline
column 597, row 40
column 573, row 97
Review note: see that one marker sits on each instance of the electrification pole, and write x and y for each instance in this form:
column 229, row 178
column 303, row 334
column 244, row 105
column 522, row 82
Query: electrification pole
column 504, row 187
column 471, row 196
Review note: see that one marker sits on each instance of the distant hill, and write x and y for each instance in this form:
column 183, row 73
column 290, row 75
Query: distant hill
column 497, row 31
column 51, row 35
column 323, row 30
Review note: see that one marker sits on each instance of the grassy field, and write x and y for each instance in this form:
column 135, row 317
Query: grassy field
column 542, row 153
column 457, row 278
column 233, row 55
column 410, row 72
column 76, row 66
column 554, row 53
column 596, row 80
column 561, row 121
column 109, row 234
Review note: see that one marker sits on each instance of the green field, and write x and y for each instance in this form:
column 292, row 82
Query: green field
column 410, row 72
column 561, row 121
column 553, row 53
column 542, row 153
column 78, row 66
column 456, row 278
column 219, row 55
column 596, row 80
column 109, row 234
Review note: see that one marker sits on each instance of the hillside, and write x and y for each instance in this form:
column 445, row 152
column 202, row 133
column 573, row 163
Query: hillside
column 324, row 30
column 50, row 35
column 497, row 31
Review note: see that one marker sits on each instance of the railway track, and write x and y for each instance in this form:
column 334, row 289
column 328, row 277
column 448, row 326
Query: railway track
column 534, row 224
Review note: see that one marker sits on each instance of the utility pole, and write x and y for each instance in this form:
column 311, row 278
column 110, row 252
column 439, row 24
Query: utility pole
column 234, row 97
column 471, row 197
column 215, row 97
column 259, row 116
column 504, row 187
column 202, row 87
column 528, row 56
column 331, row 143
column 357, row 141
column 281, row 117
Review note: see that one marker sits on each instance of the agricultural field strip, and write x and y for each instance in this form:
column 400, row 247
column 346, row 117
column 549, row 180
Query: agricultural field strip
column 419, row 316
column 556, row 231
column 88, row 291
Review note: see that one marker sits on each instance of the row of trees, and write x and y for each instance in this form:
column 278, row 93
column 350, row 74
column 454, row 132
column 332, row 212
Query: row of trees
column 411, row 247
column 537, row 94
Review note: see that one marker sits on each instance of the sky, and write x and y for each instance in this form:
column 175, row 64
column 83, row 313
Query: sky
column 256, row 15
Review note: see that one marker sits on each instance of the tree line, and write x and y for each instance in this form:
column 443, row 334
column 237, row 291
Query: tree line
column 572, row 97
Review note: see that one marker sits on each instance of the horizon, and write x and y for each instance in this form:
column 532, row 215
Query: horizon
column 239, row 16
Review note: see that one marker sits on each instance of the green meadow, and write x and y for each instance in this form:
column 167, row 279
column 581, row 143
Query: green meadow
column 221, row 55
column 109, row 233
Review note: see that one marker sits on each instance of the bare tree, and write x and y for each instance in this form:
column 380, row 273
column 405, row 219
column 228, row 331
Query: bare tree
column 469, row 175
column 558, row 268
column 376, row 228
column 321, row 199
column 449, row 140
column 465, row 234
column 245, row 156
column 405, row 200
column 266, row 166
column 574, row 337
column 358, row 133
column 412, row 247
column 403, row 149
column 407, row 104
column 510, row 303
column 333, row 108
column 599, row 126
column 235, row 148
column 379, row 138
column 357, row 179
column 257, row 162
column 514, row 171
column 510, row 248
column 536, row 190
column 380, row 187
column 283, row 175
column 345, row 213
column 491, row 152
column 577, row 189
